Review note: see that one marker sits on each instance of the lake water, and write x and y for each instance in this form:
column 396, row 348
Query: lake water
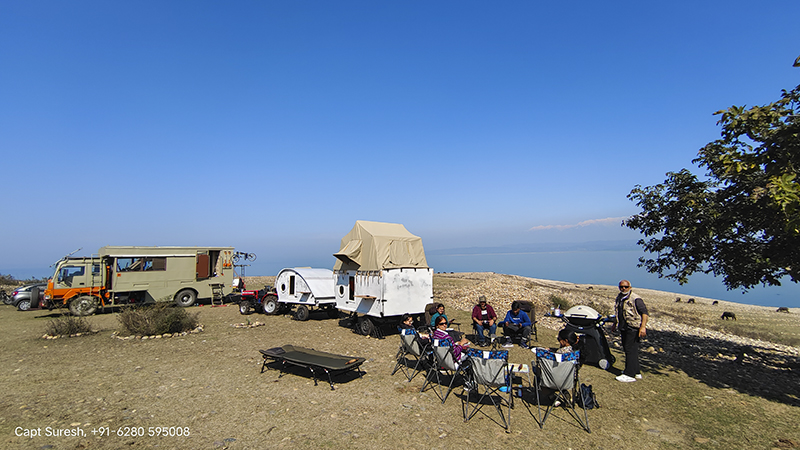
column 607, row 267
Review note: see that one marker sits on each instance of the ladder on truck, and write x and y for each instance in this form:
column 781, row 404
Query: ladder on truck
column 217, row 296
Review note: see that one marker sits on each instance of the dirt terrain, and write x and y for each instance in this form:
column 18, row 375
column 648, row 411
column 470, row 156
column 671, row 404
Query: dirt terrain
column 708, row 383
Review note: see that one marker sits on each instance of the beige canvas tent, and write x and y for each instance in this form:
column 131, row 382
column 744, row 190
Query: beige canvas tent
column 373, row 246
column 381, row 272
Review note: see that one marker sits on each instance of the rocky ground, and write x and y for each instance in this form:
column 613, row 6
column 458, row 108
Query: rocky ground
column 708, row 383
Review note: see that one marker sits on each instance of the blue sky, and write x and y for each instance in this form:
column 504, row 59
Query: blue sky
column 274, row 126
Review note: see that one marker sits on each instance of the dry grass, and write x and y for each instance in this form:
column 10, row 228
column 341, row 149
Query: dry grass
column 210, row 382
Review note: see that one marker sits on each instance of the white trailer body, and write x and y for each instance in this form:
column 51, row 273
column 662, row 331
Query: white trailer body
column 306, row 286
column 384, row 293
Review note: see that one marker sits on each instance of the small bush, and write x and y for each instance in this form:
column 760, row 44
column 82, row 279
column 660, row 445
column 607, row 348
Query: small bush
column 67, row 325
column 157, row 319
column 559, row 302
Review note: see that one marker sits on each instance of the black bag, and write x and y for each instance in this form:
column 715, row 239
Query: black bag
column 586, row 396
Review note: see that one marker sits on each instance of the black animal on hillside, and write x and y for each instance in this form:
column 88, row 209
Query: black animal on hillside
column 728, row 315
column 714, row 303
column 691, row 300
column 783, row 309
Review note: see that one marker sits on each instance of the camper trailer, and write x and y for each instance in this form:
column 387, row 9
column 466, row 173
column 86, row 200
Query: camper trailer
column 140, row 275
column 304, row 288
column 380, row 274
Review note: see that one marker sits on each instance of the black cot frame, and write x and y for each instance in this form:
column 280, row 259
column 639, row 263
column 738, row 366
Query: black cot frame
column 313, row 360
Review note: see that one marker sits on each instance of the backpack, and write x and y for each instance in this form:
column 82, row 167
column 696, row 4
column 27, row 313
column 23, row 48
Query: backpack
column 588, row 396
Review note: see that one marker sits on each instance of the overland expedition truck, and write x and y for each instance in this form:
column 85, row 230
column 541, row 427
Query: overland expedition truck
column 137, row 275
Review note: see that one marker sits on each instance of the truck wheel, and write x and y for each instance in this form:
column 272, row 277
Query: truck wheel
column 270, row 305
column 185, row 298
column 83, row 306
column 365, row 326
column 244, row 308
column 302, row 313
column 24, row 305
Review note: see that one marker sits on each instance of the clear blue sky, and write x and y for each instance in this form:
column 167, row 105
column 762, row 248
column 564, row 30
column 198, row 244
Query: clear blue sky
column 273, row 126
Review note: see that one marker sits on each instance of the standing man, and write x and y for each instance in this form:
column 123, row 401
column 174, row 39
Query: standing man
column 517, row 323
column 484, row 317
column 631, row 322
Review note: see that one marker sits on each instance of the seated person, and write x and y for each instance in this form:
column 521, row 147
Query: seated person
column 517, row 323
column 441, row 334
column 567, row 341
column 406, row 322
column 484, row 317
column 439, row 313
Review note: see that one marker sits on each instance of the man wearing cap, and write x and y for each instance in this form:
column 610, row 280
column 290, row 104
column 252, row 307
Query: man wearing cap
column 631, row 323
column 483, row 316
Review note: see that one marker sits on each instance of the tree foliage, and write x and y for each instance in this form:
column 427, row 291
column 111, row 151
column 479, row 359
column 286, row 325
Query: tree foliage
column 742, row 220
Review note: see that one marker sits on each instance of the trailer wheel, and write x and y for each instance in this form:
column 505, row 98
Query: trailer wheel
column 244, row 308
column 83, row 306
column 365, row 326
column 185, row 298
column 24, row 305
column 270, row 306
column 302, row 313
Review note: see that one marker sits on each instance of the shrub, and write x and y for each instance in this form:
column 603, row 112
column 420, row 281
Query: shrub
column 559, row 302
column 67, row 325
column 157, row 319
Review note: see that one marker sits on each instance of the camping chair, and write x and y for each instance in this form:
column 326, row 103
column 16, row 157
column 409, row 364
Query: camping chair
column 430, row 310
column 559, row 372
column 444, row 365
column 413, row 350
column 489, row 380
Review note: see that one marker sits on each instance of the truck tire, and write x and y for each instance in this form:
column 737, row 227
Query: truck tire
column 186, row 297
column 244, row 308
column 84, row 305
column 270, row 306
column 302, row 313
column 24, row 304
column 365, row 326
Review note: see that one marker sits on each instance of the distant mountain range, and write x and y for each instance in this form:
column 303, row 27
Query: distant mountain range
column 542, row 247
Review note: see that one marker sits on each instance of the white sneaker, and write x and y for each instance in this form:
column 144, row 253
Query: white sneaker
column 625, row 379
column 638, row 376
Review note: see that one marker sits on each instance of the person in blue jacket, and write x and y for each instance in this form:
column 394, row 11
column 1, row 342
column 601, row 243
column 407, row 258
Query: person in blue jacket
column 516, row 323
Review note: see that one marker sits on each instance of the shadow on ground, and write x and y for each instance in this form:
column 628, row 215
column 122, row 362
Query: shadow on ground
column 752, row 370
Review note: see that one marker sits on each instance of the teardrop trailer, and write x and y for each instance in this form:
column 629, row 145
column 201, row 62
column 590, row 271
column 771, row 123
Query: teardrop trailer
column 141, row 275
column 304, row 289
column 380, row 274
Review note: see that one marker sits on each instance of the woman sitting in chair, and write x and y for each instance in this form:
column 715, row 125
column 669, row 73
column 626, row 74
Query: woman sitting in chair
column 441, row 334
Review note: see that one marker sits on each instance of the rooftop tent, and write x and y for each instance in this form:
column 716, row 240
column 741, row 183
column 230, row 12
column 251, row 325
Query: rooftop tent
column 372, row 246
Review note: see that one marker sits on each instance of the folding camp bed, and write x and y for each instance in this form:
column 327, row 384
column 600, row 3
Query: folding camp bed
column 311, row 359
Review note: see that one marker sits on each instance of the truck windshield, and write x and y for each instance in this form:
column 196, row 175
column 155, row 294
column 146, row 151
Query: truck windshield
column 67, row 273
